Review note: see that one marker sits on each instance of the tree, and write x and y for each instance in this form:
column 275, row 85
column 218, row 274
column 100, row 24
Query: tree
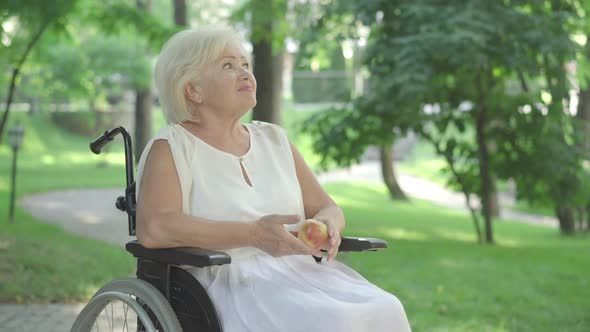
column 330, row 25
column 30, row 20
column 462, row 62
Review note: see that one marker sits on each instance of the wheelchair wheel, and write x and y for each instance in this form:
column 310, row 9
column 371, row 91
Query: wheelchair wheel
column 127, row 304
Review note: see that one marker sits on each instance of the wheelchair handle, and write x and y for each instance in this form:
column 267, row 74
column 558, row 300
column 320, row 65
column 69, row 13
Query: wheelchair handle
column 128, row 203
column 97, row 145
column 101, row 141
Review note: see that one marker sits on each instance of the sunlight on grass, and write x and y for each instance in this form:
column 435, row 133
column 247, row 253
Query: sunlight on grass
column 510, row 242
column 405, row 234
column 341, row 200
column 458, row 236
column 47, row 159
column 115, row 158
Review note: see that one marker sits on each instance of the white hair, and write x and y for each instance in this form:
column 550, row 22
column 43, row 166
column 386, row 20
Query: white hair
column 182, row 60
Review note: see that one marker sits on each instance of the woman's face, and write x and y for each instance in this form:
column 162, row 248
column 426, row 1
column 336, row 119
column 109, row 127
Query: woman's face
column 228, row 83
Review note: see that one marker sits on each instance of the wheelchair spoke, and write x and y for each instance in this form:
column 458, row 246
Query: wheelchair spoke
column 119, row 316
column 125, row 326
column 107, row 313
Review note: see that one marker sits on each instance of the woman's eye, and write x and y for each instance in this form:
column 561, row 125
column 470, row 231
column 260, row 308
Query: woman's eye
column 246, row 65
column 227, row 66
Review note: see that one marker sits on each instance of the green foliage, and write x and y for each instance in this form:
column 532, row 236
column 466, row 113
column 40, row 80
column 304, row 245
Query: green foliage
column 117, row 17
column 106, row 64
column 473, row 65
column 581, row 34
column 546, row 167
column 266, row 20
column 310, row 87
column 21, row 20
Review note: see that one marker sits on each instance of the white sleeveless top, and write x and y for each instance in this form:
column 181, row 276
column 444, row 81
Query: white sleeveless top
column 258, row 292
column 212, row 183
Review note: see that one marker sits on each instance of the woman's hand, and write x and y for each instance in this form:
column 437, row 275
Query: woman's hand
column 334, row 238
column 269, row 234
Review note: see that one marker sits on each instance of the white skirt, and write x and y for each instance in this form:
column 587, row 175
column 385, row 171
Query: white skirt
column 262, row 293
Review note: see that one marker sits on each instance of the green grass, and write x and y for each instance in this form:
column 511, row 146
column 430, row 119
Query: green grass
column 533, row 279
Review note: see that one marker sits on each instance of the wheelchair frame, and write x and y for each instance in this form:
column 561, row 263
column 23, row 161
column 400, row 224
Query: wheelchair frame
column 162, row 268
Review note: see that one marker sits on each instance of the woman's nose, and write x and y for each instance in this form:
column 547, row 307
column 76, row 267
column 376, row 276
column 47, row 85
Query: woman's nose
column 245, row 74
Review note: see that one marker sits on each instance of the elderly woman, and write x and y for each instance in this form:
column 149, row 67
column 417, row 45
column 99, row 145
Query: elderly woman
column 208, row 181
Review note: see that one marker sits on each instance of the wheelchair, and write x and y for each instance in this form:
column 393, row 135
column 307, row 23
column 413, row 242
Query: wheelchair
column 164, row 297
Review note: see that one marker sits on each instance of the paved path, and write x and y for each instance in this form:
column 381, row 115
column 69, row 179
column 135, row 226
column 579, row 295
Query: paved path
column 91, row 213
column 38, row 317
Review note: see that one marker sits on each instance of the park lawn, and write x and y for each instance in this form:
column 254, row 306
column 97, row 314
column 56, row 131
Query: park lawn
column 533, row 279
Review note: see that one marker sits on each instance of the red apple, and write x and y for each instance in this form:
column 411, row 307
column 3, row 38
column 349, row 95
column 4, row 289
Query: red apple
column 314, row 233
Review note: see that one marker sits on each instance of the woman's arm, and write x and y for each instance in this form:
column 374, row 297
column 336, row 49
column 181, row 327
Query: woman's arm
column 318, row 204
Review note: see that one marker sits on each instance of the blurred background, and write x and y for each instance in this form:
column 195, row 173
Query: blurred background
column 459, row 131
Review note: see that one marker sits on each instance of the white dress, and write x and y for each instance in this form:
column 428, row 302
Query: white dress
column 258, row 292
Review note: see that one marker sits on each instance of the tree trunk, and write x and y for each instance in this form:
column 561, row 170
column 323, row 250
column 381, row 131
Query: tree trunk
column 583, row 134
column 583, row 114
column 494, row 199
column 180, row 15
column 268, row 69
column 143, row 119
column 484, row 165
column 143, row 104
column 484, row 175
column 565, row 216
column 387, row 170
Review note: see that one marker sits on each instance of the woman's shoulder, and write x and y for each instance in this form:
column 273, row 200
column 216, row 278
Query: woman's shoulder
column 270, row 132
column 174, row 134
column 268, row 128
column 169, row 130
column 178, row 139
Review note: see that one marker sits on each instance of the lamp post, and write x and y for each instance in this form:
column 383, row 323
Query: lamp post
column 15, row 135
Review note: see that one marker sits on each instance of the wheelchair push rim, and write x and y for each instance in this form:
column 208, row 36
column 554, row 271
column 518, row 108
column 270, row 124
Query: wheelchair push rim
column 124, row 303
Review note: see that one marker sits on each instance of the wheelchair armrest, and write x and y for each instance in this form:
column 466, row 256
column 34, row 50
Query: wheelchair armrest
column 196, row 257
column 361, row 244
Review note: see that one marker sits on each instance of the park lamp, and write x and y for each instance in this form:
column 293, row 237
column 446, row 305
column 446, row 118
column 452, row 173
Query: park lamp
column 15, row 136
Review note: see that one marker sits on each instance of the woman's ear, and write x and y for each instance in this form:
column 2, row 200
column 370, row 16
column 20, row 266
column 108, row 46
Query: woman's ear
column 193, row 92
